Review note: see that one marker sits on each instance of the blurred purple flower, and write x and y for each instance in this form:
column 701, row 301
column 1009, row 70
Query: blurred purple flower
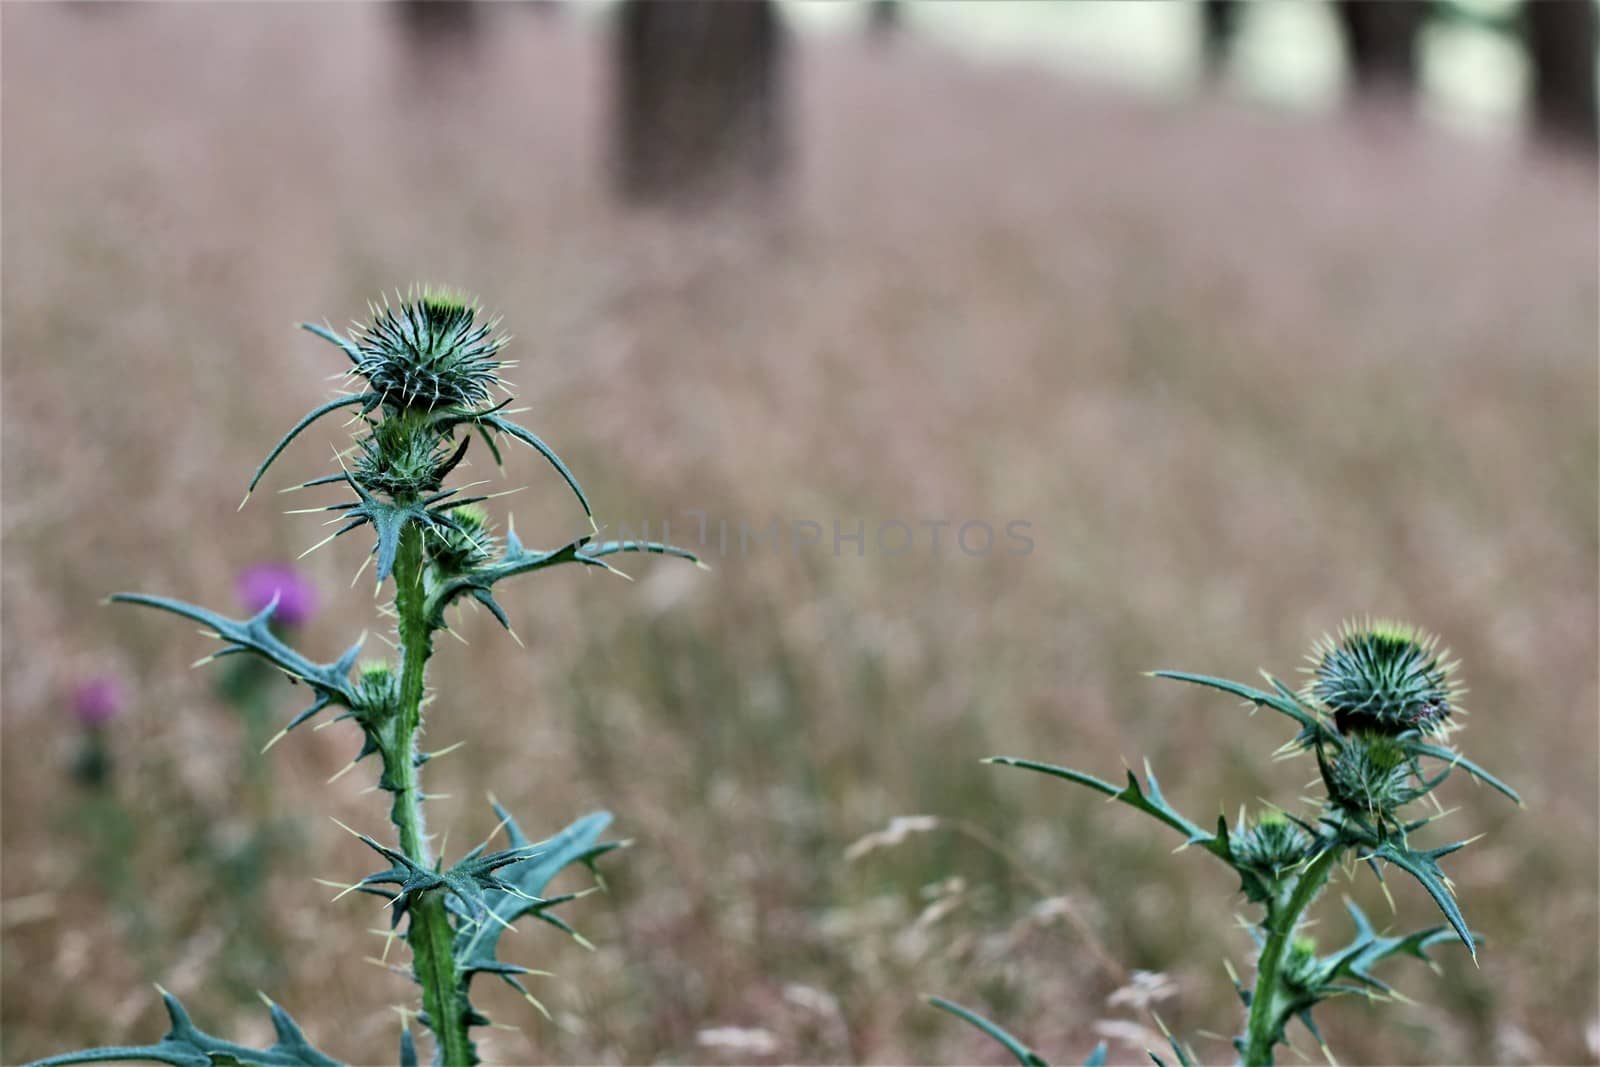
column 297, row 598
column 98, row 700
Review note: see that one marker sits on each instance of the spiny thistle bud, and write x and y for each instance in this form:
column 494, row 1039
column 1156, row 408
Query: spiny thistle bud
column 1271, row 845
column 429, row 352
column 1372, row 774
column 377, row 688
column 403, row 457
column 1300, row 964
column 471, row 544
column 1383, row 677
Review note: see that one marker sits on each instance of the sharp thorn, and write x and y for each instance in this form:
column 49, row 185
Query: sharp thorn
column 529, row 997
column 353, row 833
column 446, row 751
column 318, row 545
column 346, row 769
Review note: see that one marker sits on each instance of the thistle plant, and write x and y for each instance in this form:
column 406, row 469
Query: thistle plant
column 423, row 374
column 1375, row 714
column 95, row 702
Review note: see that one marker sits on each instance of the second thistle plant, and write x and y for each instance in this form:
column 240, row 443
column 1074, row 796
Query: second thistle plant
column 1374, row 714
column 423, row 374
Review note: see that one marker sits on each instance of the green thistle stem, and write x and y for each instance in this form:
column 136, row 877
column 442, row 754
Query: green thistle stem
column 1271, row 1002
column 429, row 933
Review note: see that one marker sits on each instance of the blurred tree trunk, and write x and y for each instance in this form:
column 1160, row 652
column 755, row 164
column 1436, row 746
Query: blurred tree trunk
column 430, row 23
column 698, row 97
column 1561, row 46
column 1380, row 38
column 884, row 19
column 1219, row 25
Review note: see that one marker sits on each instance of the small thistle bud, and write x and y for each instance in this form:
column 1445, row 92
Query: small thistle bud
column 1301, row 964
column 429, row 352
column 1383, row 677
column 377, row 688
column 297, row 597
column 1271, row 845
column 472, row 545
column 404, row 457
column 1372, row 775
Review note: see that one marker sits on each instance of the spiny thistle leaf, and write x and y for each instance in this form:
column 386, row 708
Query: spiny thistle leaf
column 1022, row 1053
column 367, row 400
column 1424, row 867
column 388, row 519
column 333, row 338
column 518, row 560
column 1312, row 729
column 489, row 424
column 1321, row 978
column 506, row 426
column 329, row 681
column 185, row 1045
column 1147, row 799
column 1418, row 747
column 476, row 940
column 411, row 877
column 472, row 880
column 1368, row 948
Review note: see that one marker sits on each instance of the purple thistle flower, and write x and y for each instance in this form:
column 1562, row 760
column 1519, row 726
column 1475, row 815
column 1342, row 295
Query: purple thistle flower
column 297, row 598
column 98, row 700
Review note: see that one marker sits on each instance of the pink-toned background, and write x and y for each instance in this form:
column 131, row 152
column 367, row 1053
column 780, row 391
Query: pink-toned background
column 1247, row 374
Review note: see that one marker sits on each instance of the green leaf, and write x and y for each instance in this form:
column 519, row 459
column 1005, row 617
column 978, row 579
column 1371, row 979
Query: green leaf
column 1424, row 867
column 411, row 877
column 473, row 878
column 1146, row 798
column 477, row 939
column 1420, row 748
column 185, row 1045
column 1368, row 948
column 316, row 413
column 389, row 518
column 1312, row 728
column 519, row 560
column 527, row 437
column 1023, row 1054
column 329, row 681
column 328, row 335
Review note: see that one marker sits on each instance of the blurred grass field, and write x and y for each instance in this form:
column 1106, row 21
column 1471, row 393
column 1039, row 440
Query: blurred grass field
column 1246, row 375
